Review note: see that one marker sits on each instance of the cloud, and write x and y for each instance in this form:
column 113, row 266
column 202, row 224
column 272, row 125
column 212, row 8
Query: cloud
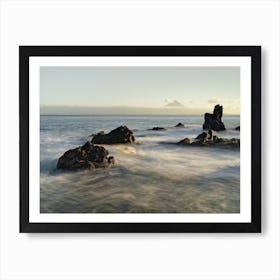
column 168, row 100
column 214, row 100
column 172, row 103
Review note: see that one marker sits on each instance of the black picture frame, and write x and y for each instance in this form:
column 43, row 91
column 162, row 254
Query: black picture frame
column 254, row 52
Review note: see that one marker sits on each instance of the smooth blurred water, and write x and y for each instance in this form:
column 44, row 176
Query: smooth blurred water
column 149, row 176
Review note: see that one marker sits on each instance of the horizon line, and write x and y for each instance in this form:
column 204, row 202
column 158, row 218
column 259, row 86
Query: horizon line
column 132, row 114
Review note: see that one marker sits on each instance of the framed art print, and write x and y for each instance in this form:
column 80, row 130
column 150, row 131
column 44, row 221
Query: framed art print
column 140, row 138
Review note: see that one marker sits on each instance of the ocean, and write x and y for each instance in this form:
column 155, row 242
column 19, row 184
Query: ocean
column 149, row 176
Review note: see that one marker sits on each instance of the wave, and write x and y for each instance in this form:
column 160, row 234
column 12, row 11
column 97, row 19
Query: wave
column 130, row 190
column 153, row 177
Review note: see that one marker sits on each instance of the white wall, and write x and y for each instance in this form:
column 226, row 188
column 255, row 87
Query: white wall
column 139, row 256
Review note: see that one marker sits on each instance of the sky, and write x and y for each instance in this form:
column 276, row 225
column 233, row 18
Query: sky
column 139, row 90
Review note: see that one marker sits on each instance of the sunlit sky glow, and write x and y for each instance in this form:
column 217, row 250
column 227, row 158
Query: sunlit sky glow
column 139, row 90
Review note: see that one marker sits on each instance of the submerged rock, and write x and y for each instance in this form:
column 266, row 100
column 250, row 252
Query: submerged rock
column 208, row 139
column 179, row 125
column 237, row 128
column 205, row 136
column 214, row 121
column 185, row 141
column 232, row 142
column 120, row 135
column 88, row 156
column 157, row 128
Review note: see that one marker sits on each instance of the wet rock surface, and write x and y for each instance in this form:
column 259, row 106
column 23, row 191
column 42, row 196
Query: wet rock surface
column 209, row 139
column 185, row 141
column 179, row 125
column 232, row 142
column 88, row 156
column 157, row 128
column 120, row 135
column 214, row 121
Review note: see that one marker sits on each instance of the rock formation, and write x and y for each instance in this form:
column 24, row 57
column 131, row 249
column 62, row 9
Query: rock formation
column 179, row 125
column 214, row 121
column 88, row 156
column 209, row 139
column 185, row 141
column 120, row 135
column 205, row 136
column 157, row 128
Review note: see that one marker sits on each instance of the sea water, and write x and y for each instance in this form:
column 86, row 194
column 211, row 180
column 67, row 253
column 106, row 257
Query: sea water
column 149, row 176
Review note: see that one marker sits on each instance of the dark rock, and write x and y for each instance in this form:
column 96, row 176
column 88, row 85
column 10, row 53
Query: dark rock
column 205, row 136
column 210, row 134
column 214, row 121
column 218, row 111
column 88, row 156
column 237, row 128
column 223, row 142
column 120, row 135
column 179, row 125
column 158, row 128
column 111, row 160
column 185, row 141
column 208, row 139
column 201, row 136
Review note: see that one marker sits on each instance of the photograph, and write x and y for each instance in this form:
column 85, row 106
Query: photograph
column 139, row 139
